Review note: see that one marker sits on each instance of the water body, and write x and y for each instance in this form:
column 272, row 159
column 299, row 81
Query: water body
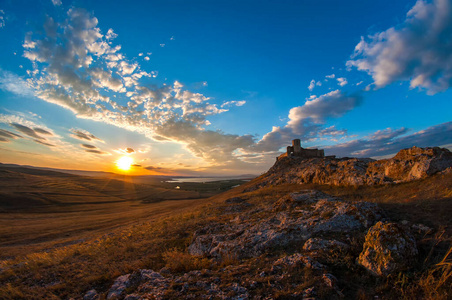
column 204, row 179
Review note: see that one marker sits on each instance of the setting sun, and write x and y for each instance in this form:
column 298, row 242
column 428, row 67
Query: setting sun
column 124, row 163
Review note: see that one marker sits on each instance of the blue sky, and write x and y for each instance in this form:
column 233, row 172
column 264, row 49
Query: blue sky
column 220, row 87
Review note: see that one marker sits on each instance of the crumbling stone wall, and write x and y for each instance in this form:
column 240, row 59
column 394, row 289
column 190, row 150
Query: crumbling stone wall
column 297, row 150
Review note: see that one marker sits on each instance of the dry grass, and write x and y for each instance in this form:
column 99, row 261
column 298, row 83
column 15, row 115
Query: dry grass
column 71, row 271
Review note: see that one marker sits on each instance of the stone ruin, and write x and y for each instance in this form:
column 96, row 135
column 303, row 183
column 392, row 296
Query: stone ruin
column 298, row 151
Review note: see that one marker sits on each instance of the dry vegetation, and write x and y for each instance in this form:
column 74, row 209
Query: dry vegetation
column 161, row 240
column 40, row 210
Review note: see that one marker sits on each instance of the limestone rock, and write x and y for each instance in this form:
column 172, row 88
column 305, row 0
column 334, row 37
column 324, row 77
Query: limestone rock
column 297, row 260
column 387, row 249
column 251, row 238
column 314, row 244
column 91, row 295
column 119, row 286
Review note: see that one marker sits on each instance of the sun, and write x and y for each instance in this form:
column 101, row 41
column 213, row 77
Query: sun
column 124, row 163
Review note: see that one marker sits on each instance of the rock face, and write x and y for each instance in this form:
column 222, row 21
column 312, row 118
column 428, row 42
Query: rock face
column 252, row 237
column 408, row 164
column 388, row 248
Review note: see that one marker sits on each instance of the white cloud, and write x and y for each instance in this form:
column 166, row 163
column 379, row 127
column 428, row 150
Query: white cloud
column 311, row 85
column 342, row 81
column 111, row 35
column 2, row 19
column 330, row 76
column 12, row 83
column 162, row 45
column 56, row 2
column 306, row 122
column 146, row 58
column 419, row 50
column 233, row 103
column 80, row 70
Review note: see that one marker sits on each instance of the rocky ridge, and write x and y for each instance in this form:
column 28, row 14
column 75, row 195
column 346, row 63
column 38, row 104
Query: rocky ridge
column 407, row 165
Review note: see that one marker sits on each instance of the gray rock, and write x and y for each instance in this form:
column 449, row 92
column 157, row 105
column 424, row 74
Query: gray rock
column 388, row 248
column 297, row 260
column 91, row 295
column 314, row 244
column 119, row 286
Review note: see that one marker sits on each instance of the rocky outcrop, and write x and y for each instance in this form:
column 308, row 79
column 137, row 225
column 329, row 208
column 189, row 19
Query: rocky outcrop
column 251, row 237
column 413, row 163
column 408, row 164
column 388, row 248
column 273, row 246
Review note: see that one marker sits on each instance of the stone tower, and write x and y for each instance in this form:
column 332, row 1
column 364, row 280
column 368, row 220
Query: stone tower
column 296, row 146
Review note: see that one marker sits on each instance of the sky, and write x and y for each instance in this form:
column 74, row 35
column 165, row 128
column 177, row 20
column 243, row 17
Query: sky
column 219, row 87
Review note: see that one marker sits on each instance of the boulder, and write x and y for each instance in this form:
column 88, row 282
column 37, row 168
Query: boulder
column 388, row 248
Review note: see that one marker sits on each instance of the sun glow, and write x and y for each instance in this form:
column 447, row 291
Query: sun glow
column 124, row 163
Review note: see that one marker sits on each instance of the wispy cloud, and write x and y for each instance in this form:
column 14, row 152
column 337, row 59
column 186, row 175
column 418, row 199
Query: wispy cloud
column 2, row 18
column 12, row 83
column 313, row 84
column 127, row 150
column 233, row 103
column 342, row 81
column 29, row 131
column 84, row 135
column 5, row 135
column 419, row 50
column 37, row 133
column 97, row 151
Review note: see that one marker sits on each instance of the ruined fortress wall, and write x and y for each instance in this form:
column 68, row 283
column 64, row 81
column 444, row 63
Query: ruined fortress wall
column 310, row 153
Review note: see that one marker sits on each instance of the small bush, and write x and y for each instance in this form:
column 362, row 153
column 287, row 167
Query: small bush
column 179, row 261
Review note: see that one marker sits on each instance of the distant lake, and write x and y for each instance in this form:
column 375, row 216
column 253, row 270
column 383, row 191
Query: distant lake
column 204, row 179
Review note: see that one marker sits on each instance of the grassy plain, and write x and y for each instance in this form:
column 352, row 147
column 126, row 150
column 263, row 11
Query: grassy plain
column 41, row 210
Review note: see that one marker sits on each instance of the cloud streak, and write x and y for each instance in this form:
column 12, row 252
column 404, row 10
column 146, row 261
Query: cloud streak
column 83, row 135
column 390, row 141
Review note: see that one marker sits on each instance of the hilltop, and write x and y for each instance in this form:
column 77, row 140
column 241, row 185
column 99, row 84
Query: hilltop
column 309, row 228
